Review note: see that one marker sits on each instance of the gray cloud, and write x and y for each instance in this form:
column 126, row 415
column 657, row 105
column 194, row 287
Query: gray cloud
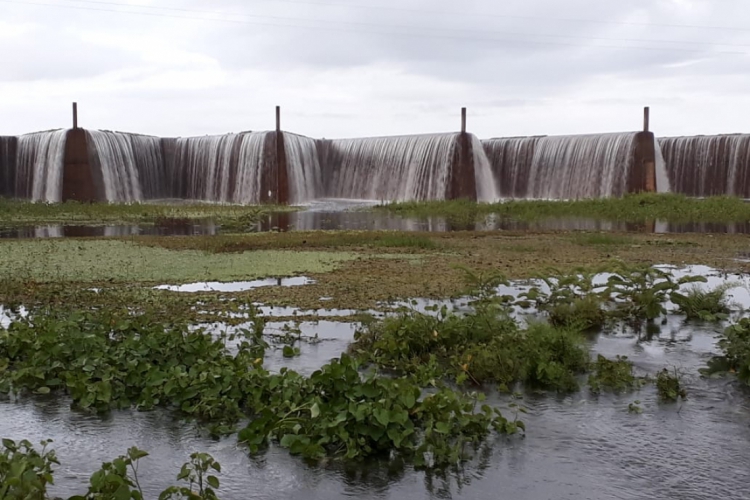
column 340, row 69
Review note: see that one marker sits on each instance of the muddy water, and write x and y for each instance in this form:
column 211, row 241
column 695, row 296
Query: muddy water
column 578, row 446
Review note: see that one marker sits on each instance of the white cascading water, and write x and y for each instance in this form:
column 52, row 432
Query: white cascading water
column 662, row 179
column 708, row 165
column 583, row 166
column 392, row 168
column 40, row 162
column 206, row 164
column 510, row 159
column 486, row 188
column 117, row 163
column 303, row 167
column 149, row 162
column 250, row 168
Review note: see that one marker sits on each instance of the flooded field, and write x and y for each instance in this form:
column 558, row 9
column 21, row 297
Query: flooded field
column 579, row 445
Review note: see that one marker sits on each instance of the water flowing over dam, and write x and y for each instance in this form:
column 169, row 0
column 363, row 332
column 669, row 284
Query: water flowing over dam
column 417, row 167
column 570, row 167
column 40, row 158
column 708, row 165
column 281, row 167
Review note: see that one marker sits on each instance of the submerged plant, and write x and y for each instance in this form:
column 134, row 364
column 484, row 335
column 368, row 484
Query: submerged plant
column 613, row 375
column 669, row 387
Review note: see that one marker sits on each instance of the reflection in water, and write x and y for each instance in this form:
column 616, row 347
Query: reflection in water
column 333, row 215
column 235, row 286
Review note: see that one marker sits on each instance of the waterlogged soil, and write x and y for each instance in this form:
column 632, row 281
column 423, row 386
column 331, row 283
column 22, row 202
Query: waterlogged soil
column 576, row 446
column 349, row 269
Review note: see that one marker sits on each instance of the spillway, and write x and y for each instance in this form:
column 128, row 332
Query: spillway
column 564, row 167
column 40, row 158
column 708, row 165
column 113, row 156
column 403, row 168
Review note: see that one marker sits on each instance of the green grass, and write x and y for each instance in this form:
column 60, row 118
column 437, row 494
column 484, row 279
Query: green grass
column 636, row 208
column 20, row 213
column 123, row 261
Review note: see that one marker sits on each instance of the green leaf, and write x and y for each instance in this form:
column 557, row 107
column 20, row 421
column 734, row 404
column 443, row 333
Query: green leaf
column 43, row 390
column 442, row 428
column 315, row 411
column 213, row 481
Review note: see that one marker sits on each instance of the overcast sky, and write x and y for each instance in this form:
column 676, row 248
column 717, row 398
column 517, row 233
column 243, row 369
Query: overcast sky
column 347, row 68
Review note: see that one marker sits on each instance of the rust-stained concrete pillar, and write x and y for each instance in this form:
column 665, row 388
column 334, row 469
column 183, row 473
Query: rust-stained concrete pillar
column 78, row 177
column 75, row 115
column 643, row 175
column 646, row 118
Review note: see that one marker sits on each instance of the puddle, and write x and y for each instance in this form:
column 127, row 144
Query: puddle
column 236, row 286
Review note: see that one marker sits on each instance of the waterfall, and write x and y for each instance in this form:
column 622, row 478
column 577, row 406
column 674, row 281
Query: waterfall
column 251, row 169
column 303, row 167
column 40, row 159
column 584, row 166
column 390, row 168
column 708, row 165
column 149, row 162
column 208, row 166
column 511, row 160
column 662, row 178
column 486, row 189
column 562, row 167
column 8, row 148
column 113, row 153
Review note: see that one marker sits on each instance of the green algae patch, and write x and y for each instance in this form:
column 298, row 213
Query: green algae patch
column 124, row 261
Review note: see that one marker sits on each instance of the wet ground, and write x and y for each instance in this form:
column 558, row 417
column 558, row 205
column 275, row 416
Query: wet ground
column 579, row 446
column 354, row 215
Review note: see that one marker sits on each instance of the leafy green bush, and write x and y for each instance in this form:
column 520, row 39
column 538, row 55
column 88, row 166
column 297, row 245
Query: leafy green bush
column 24, row 471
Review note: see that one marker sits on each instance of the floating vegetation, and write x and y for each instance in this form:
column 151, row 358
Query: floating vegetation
column 105, row 360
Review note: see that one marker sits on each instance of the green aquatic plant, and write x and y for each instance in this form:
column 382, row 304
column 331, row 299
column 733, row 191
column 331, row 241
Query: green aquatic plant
column 707, row 305
column 25, row 474
column 483, row 346
column 669, row 386
column 613, row 375
column 640, row 291
column 635, row 407
column 735, row 346
column 115, row 359
column 337, row 412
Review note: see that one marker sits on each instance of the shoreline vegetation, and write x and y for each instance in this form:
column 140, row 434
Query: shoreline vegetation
column 14, row 213
column 632, row 208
